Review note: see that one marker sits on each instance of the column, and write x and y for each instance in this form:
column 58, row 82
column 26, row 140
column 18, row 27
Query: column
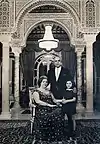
column 10, row 69
column 5, row 83
column 0, row 74
column 89, row 38
column 80, row 107
column 21, row 79
column 16, row 89
column 11, row 81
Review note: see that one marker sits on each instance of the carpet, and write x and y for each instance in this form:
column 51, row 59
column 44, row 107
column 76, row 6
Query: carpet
column 18, row 132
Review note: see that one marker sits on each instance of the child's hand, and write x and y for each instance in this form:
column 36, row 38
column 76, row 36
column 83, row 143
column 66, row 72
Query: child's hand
column 63, row 101
column 74, row 90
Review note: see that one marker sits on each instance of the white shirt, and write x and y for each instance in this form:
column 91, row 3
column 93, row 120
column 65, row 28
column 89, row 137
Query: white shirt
column 57, row 72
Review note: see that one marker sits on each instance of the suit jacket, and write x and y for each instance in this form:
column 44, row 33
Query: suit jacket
column 57, row 87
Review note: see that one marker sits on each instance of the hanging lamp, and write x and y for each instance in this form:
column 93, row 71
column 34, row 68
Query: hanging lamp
column 48, row 42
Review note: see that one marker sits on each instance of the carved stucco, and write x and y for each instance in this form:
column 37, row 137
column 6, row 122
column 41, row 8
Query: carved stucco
column 12, row 13
column 70, row 19
column 66, row 24
column 83, row 19
column 20, row 4
column 97, row 13
column 64, row 19
column 75, row 5
column 37, row 3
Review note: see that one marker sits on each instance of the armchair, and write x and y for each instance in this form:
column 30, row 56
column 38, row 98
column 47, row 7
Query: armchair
column 32, row 107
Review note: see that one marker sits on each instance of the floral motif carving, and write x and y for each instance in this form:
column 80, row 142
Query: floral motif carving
column 4, row 13
column 52, row 2
column 12, row 13
column 15, row 35
column 80, row 35
column 90, row 14
column 75, row 5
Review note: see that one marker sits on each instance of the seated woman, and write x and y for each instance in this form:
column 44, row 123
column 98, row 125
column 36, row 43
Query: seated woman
column 48, row 117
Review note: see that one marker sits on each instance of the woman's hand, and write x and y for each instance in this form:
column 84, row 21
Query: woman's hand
column 52, row 105
column 59, row 104
column 64, row 101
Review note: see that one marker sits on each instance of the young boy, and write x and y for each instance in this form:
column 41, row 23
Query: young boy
column 69, row 106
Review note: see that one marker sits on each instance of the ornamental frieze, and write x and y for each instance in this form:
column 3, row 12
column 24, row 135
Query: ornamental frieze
column 67, row 23
column 31, row 5
column 90, row 30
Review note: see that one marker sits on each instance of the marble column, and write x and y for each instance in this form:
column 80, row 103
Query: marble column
column 5, row 83
column 89, row 38
column 80, row 107
column 21, row 79
column 0, row 74
column 10, row 77
column 10, row 69
column 16, row 89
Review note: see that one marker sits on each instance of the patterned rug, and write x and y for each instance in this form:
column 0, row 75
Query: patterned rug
column 18, row 132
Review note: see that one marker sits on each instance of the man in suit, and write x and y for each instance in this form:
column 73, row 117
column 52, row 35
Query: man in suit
column 57, row 78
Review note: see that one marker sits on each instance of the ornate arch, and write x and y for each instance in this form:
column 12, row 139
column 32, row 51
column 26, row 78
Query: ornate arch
column 39, row 22
column 34, row 4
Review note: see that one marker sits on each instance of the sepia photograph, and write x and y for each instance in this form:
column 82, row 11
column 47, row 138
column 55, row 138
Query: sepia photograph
column 49, row 71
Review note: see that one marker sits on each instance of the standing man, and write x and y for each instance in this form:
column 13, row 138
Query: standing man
column 57, row 78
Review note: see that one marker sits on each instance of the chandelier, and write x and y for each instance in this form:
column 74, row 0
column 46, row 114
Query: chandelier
column 48, row 42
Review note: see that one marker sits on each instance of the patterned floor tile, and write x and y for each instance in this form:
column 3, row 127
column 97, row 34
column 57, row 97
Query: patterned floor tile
column 18, row 132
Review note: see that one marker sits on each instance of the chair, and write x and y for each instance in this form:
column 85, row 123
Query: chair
column 32, row 107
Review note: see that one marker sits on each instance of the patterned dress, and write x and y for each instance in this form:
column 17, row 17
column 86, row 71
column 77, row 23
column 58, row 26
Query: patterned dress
column 48, row 121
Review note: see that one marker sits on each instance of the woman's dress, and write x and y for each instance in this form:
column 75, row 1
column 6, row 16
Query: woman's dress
column 48, row 121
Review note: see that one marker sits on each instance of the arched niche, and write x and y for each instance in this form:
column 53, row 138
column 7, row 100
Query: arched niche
column 32, row 51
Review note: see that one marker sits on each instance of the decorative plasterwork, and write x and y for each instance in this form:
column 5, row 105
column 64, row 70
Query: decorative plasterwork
column 90, row 30
column 48, row 9
column 15, row 44
column 20, row 4
column 97, row 13
column 75, row 5
column 83, row 13
column 46, row 15
column 66, row 24
column 5, row 37
column 90, row 14
column 31, row 19
column 37, row 3
column 16, row 35
column 79, row 45
column 12, row 12
column 4, row 13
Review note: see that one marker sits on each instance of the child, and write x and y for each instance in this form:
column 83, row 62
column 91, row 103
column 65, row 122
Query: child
column 69, row 106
